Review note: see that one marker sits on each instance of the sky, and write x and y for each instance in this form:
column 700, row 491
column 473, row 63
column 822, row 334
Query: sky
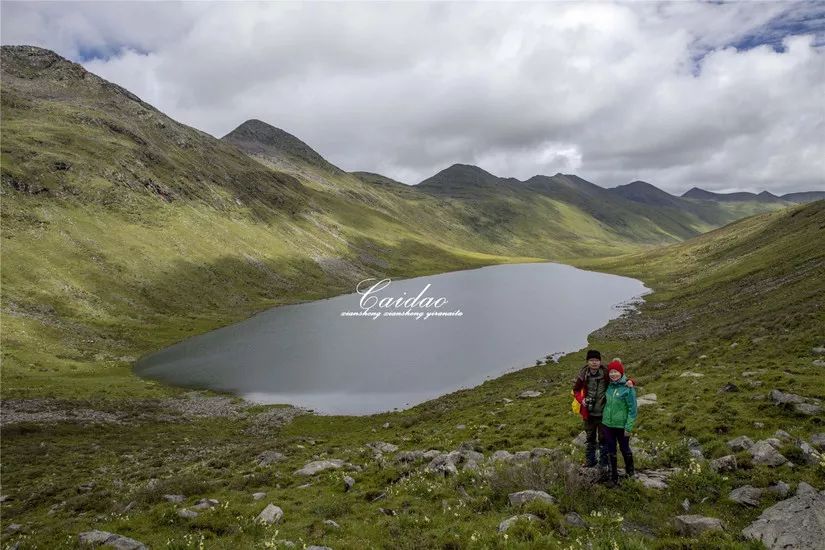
column 727, row 96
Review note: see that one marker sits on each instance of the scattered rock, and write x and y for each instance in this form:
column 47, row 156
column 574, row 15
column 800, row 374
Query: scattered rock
column 269, row 457
column 522, row 497
column 187, row 513
column 104, row 538
column 741, row 443
column 694, row 525
column 780, row 489
column 13, row 528
column 381, row 447
column 818, row 351
column 686, row 505
column 174, row 498
column 805, row 489
column 647, row 399
column 507, row 523
column 271, row 514
column 655, row 479
column 385, row 425
column 782, row 435
column 258, row 496
column 796, row 522
column 759, row 425
column 205, row 504
column 691, row 374
column 580, row 440
column 818, row 441
column 409, row 456
column 331, row 523
column 349, row 483
column 766, row 454
column 316, row 466
column 445, row 463
column 726, row 463
column 747, row 495
column 808, row 409
column 528, row 394
column 782, row 398
column 502, row 456
column 574, row 520
column 818, row 363
column 728, row 388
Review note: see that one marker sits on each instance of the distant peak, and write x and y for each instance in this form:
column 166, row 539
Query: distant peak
column 258, row 137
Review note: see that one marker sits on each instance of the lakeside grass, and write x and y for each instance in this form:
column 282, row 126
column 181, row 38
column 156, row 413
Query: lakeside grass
column 754, row 284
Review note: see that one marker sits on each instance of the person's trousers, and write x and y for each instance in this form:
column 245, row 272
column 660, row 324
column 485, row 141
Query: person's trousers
column 615, row 437
column 595, row 437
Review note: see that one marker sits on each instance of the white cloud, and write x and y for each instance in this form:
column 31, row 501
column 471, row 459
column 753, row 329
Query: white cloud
column 612, row 92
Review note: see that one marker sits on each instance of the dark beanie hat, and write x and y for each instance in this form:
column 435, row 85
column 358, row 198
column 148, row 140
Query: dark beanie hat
column 593, row 354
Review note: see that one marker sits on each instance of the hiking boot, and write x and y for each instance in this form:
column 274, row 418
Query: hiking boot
column 628, row 465
column 614, row 469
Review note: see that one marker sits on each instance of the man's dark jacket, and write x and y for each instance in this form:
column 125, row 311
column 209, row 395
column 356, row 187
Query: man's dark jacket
column 595, row 386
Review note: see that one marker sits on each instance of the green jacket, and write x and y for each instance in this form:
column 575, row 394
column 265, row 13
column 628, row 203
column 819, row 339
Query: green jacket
column 620, row 410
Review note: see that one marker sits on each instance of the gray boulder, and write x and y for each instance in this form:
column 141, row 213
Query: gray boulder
column 174, row 498
column 186, row 513
column 258, row 496
column 692, row 525
column 647, row 399
column 316, row 466
column 808, row 409
column 580, row 440
column 407, row 457
column 113, row 540
column 766, row 454
column 726, row 463
column 269, row 457
column 574, row 520
column 741, row 443
column 780, row 489
column 529, row 394
column 271, row 514
column 382, row 447
column 522, row 497
column 655, row 479
column 502, row 456
column 818, row 350
column 796, row 522
column 818, row 441
column 782, row 398
column 349, row 483
column 507, row 523
column 746, row 495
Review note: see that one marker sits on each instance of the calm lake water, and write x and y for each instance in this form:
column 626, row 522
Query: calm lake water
column 312, row 356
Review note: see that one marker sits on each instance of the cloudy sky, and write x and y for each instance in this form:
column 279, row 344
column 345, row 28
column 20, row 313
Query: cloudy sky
column 725, row 96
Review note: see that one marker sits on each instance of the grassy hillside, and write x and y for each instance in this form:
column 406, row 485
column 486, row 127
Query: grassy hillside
column 741, row 305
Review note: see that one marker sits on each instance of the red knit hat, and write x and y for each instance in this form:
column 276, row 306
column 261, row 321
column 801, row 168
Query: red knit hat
column 615, row 365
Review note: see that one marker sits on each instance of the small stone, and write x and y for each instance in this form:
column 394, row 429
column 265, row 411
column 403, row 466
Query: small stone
column 766, row 454
column 187, row 513
column 110, row 539
column 387, row 511
column 529, row 394
column 741, row 443
column 691, row 374
column 316, row 466
column 271, row 514
column 818, row 351
column 782, row 435
column 818, row 441
column 269, row 457
column 258, row 496
column 13, row 528
column 747, row 495
column 780, row 489
column 694, row 525
column 174, row 498
column 580, row 440
column 686, row 505
column 805, row 489
column 759, row 425
column 331, row 523
column 507, row 523
column 522, row 497
column 726, row 463
column 655, row 479
column 782, row 398
column 818, row 363
column 808, row 409
column 729, row 388
column 574, row 520
column 409, row 456
column 349, row 483
column 460, row 426
column 502, row 456
column 205, row 504
column 647, row 399
column 385, row 425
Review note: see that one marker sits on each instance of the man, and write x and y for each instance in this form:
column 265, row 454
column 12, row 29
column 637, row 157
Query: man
column 593, row 380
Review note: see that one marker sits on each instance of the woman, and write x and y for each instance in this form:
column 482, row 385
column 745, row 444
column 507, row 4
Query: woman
column 618, row 418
